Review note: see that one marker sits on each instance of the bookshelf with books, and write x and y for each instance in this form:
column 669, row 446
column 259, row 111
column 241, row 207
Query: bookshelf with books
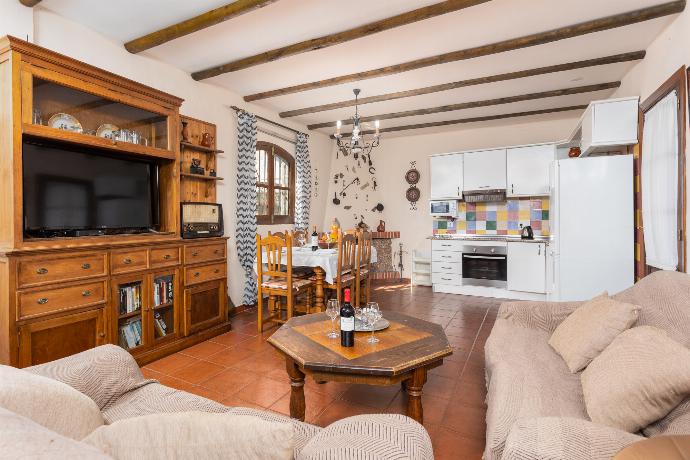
column 164, row 290
column 130, row 300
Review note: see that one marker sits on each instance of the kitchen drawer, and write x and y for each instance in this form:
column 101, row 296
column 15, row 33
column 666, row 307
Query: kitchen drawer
column 204, row 253
column 45, row 301
column 196, row 275
column 446, row 256
column 447, row 267
column 447, row 245
column 127, row 261
column 36, row 271
column 446, row 278
column 165, row 257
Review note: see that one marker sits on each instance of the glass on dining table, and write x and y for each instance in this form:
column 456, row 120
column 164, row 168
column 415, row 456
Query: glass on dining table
column 371, row 314
column 332, row 310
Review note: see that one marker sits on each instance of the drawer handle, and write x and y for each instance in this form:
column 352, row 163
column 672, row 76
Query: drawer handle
column 217, row 251
column 127, row 261
column 101, row 335
column 447, row 257
column 447, row 279
column 197, row 274
column 216, row 271
column 42, row 271
column 86, row 293
column 194, row 254
column 42, row 301
column 167, row 257
column 447, row 268
column 86, row 266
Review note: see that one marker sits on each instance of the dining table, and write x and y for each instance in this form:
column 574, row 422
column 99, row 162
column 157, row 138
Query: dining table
column 324, row 263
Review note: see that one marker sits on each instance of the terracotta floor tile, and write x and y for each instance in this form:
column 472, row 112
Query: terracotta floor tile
column 171, row 364
column 450, row 369
column 149, row 374
column 449, row 445
column 230, row 338
column 339, row 410
column 199, row 372
column 206, row 393
column 467, row 420
column 203, row 349
column 433, row 407
column 229, row 381
column 228, row 357
column 264, row 392
column 440, row 387
column 315, row 405
column 374, row 397
column 470, row 394
column 235, row 401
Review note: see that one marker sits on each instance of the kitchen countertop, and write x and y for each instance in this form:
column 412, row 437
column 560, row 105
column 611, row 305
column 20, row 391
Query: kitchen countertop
column 507, row 238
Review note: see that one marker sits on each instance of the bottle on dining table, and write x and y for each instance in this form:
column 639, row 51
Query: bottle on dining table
column 314, row 240
column 347, row 321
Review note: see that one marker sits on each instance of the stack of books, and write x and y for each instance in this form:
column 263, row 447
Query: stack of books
column 162, row 291
column 130, row 333
column 159, row 324
column 130, row 298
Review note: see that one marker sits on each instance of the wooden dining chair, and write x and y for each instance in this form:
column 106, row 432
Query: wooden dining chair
column 297, row 235
column 363, row 268
column 275, row 281
column 345, row 274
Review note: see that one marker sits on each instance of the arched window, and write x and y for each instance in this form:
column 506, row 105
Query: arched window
column 275, row 185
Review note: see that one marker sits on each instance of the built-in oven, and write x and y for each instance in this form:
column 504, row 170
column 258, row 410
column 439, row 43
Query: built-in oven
column 485, row 266
column 443, row 208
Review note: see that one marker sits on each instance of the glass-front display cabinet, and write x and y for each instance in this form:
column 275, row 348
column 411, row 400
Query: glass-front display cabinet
column 164, row 297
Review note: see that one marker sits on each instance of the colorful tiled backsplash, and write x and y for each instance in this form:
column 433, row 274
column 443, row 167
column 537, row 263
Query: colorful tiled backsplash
column 498, row 218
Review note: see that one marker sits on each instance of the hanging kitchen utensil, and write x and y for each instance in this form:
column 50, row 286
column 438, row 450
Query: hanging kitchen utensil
column 347, row 208
column 336, row 200
column 378, row 207
column 373, row 179
column 365, row 186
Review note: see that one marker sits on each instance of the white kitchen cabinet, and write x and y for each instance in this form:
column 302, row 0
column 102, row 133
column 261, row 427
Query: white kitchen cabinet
column 609, row 123
column 527, row 267
column 446, row 176
column 485, row 170
column 527, row 170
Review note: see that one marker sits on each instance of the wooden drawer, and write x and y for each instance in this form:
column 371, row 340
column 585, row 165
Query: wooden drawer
column 446, row 278
column 42, row 302
column 165, row 257
column 204, row 253
column 36, row 271
column 196, row 275
column 127, row 261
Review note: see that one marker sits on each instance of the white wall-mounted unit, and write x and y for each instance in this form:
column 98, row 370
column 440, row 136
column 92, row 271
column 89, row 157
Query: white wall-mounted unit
column 446, row 176
column 485, row 170
column 527, row 170
column 606, row 126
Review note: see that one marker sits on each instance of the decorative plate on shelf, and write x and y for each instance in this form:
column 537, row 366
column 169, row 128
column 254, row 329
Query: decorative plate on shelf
column 412, row 176
column 65, row 121
column 106, row 130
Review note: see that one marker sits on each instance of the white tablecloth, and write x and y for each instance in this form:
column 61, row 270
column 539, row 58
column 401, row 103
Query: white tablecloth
column 327, row 259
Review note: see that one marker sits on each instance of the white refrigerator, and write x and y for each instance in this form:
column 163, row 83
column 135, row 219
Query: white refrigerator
column 592, row 227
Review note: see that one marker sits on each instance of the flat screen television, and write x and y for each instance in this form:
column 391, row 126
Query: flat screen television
column 73, row 191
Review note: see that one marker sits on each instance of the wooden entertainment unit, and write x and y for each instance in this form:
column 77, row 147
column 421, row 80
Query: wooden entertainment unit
column 152, row 293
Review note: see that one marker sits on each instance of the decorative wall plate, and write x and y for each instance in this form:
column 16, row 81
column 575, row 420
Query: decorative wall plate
column 412, row 194
column 106, row 130
column 66, row 122
column 412, row 176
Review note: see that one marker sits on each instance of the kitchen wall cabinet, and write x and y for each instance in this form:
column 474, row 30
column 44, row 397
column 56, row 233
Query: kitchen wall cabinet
column 446, row 176
column 527, row 170
column 485, row 170
column 609, row 123
column 527, row 267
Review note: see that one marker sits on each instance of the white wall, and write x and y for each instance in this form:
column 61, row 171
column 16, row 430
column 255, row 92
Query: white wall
column 392, row 159
column 203, row 101
column 664, row 57
column 16, row 20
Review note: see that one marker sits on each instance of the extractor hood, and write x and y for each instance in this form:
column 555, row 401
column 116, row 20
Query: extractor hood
column 484, row 196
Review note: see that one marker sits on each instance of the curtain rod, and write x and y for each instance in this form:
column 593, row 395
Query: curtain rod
column 237, row 109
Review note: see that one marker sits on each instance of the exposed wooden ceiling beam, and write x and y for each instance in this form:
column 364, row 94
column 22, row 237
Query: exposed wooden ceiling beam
column 625, row 57
column 597, row 25
column 30, row 3
column 476, row 104
column 207, row 19
column 325, row 41
column 472, row 120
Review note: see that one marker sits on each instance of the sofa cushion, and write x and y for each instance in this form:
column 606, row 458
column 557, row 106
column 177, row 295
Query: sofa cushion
column 526, row 379
column 103, row 374
column 590, row 329
column 662, row 448
column 193, row 435
column 562, row 438
column 637, row 380
column 23, row 438
column 676, row 422
column 49, row 403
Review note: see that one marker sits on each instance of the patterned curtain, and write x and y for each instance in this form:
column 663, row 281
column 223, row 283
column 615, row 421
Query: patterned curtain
column 245, row 231
column 303, row 183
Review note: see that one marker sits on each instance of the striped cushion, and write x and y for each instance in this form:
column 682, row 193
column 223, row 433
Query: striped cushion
column 282, row 284
column 346, row 278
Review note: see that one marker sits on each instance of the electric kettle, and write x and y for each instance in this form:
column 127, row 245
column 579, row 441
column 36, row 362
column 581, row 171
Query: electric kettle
column 526, row 233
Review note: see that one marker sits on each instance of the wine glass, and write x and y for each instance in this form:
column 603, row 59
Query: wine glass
column 372, row 313
column 332, row 310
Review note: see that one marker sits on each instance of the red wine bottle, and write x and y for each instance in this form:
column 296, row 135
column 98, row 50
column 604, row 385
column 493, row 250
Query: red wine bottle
column 314, row 240
column 347, row 322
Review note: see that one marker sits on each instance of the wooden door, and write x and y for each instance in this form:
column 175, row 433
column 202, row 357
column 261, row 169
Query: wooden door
column 204, row 306
column 48, row 340
column 163, row 316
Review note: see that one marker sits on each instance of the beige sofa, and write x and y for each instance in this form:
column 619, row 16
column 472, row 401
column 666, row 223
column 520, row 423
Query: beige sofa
column 110, row 376
column 536, row 408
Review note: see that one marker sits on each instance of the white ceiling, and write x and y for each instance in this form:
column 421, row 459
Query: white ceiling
column 290, row 21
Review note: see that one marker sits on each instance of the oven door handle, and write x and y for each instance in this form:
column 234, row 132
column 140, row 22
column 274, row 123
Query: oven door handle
column 498, row 256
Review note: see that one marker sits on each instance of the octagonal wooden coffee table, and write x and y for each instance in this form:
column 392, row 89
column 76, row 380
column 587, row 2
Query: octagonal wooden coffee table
column 406, row 351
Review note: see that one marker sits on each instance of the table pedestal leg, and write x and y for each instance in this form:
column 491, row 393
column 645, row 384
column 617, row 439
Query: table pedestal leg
column 297, row 403
column 320, row 275
column 414, row 394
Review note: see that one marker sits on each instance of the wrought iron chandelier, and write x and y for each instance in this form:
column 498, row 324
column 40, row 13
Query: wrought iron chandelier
column 358, row 145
